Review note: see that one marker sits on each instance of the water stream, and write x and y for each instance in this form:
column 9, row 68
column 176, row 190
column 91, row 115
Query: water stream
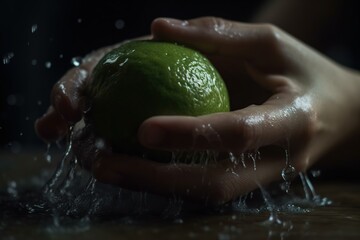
column 71, row 200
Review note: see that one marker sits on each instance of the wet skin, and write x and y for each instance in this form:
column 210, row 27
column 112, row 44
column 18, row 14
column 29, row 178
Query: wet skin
column 283, row 93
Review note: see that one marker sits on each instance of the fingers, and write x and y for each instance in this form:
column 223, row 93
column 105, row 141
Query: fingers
column 65, row 94
column 263, row 45
column 65, row 109
column 278, row 119
column 66, row 97
column 217, row 36
column 51, row 126
column 213, row 184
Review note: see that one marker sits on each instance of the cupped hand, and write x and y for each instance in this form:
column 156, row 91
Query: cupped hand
column 284, row 94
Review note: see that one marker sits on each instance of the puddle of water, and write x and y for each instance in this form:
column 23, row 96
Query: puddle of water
column 72, row 203
column 141, row 215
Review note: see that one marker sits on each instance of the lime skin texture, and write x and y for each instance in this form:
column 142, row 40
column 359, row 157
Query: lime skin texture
column 146, row 78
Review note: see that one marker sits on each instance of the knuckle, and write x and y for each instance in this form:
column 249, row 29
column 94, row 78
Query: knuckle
column 272, row 35
column 244, row 134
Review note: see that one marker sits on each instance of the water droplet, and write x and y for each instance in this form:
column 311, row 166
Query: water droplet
column 39, row 102
column 274, row 219
column 21, row 134
column 47, row 153
column 315, row 173
column 79, row 20
column 48, row 64
column 288, row 173
column 254, row 157
column 99, row 143
column 8, row 57
column 76, row 61
column 34, row 27
column 11, row 189
column 48, row 158
column 27, row 118
column 61, row 56
column 15, row 100
column 34, row 62
column 119, row 24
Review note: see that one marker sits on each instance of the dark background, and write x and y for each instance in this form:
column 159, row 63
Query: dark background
column 36, row 34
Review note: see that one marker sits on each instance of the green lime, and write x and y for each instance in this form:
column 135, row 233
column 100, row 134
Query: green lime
column 141, row 79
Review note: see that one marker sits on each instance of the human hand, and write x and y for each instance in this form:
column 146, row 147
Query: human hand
column 66, row 98
column 310, row 105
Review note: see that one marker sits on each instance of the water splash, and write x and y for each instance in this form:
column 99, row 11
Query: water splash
column 73, row 192
column 310, row 194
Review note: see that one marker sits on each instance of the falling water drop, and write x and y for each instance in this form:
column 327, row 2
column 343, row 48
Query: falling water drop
column 289, row 172
column 34, row 27
column 34, row 62
column 254, row 157
column 48, row 64
column 47, row 153
column 100, row 143
column 119, row 24
column 8, row 57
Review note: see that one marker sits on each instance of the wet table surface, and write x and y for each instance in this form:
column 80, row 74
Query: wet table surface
column 340, row 220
